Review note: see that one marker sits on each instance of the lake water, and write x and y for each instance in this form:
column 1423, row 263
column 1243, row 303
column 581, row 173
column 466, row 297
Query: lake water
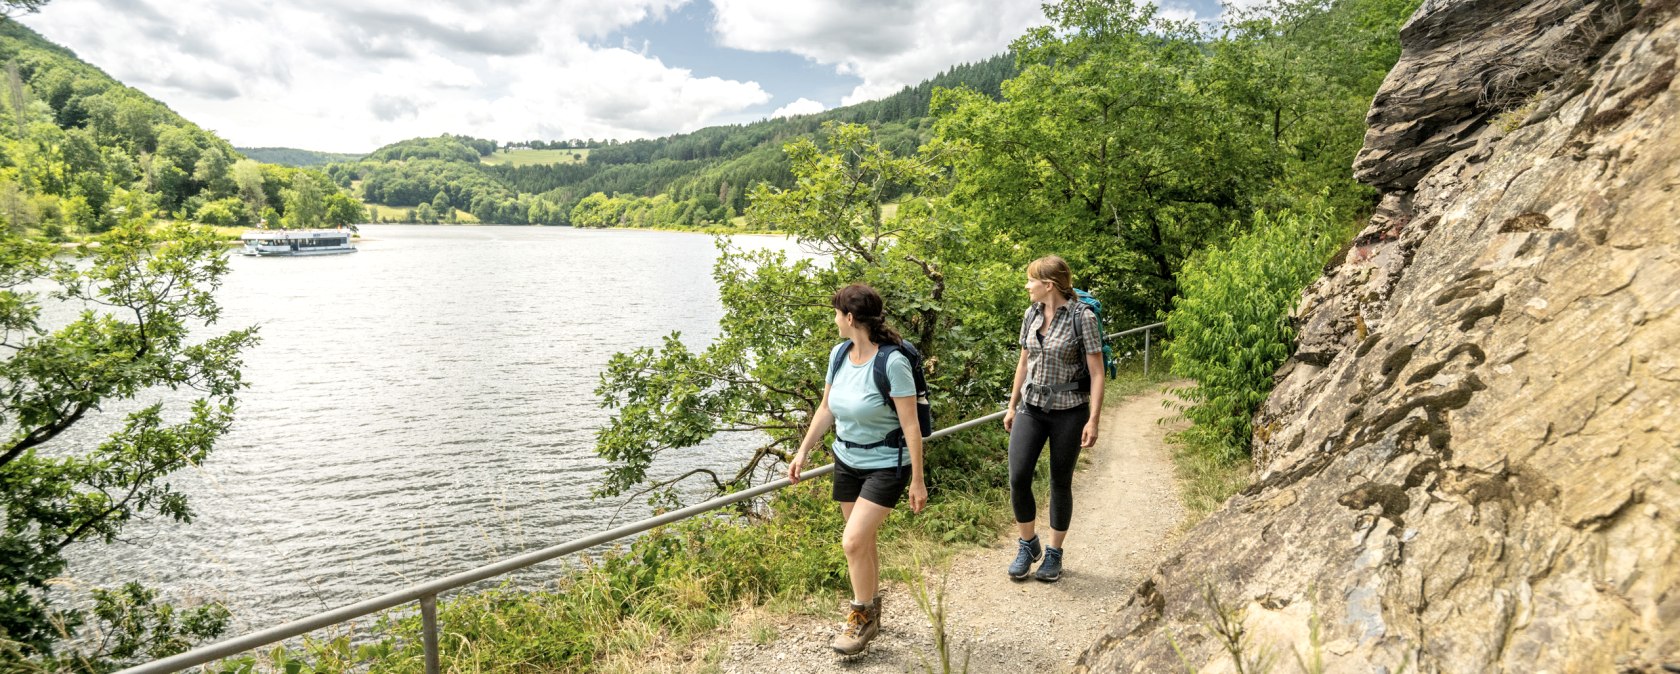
column 416, row 409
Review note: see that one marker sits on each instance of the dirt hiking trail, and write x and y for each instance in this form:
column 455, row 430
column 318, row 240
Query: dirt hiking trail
column 1126, row 510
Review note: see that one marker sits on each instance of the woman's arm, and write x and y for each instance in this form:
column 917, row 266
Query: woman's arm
column 906, row 407
column 1015, row 391
column 820, row 422
column 1094, row 365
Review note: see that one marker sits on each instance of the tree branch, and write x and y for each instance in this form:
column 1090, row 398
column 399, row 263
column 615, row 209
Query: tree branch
column 44, row 433
column 930, row 315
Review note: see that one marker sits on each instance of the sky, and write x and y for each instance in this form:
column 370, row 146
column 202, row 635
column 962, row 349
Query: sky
column 351, row 76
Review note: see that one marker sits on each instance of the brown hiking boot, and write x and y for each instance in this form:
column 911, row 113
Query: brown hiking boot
column 863, row 622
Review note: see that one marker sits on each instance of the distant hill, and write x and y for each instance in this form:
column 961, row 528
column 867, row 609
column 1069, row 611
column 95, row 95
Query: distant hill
column 83, row 152
column 287, row 156
column 702, row 177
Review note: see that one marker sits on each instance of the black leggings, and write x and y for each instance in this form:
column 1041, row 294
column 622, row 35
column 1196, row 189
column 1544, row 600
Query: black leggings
column 1034, row 425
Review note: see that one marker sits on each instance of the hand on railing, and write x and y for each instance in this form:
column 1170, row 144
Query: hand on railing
column 796, row 465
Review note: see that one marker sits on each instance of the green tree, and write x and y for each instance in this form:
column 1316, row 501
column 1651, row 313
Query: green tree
column 152, row 288
column 173, row 165
column 248, row 178
column 595, row 210
column 18, row 209
column 229, row 212
column 214, row 172
column 1104, row 136
column 1304, row 72
column 304, row 206
column 342, row 210
column 440, row 203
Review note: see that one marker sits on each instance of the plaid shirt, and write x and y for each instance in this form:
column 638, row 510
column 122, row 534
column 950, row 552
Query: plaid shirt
column 1057, row 356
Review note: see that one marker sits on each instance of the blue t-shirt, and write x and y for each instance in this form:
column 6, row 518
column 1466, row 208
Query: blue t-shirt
column 860, row 415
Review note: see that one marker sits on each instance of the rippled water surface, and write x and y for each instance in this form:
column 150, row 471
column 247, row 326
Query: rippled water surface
column 416, row 409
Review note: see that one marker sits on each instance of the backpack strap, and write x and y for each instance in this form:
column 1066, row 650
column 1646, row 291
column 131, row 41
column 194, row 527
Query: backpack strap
column 895, row 438
column 881, row 382
column 1026, row 321
column 839, row 354
column 1083, row 383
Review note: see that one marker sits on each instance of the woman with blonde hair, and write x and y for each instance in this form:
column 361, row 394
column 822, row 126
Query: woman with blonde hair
column 1056, row 398
column 877, row 447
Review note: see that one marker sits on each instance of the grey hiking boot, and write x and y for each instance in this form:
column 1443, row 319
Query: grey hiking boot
column 863, row 622
column 1051, row 570
column 1028, row 552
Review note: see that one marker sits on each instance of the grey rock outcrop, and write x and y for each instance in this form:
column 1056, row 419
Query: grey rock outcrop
column 1472, row 464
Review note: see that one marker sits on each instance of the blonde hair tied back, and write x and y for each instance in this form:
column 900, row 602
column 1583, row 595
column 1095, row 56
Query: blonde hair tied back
column 1054, row 269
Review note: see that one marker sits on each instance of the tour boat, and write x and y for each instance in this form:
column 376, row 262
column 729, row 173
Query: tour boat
column 276, row 242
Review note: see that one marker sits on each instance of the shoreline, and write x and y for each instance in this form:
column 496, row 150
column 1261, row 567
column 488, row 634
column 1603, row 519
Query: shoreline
column 707, row 231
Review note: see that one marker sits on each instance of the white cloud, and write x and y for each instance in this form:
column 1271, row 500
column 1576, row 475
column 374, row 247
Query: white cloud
column 889, row 44
column 327, row 75
column 803, row 106
column 1177, row 14
column 390, row 108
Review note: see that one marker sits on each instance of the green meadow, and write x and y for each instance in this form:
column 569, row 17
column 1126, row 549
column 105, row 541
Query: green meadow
column 529, row 157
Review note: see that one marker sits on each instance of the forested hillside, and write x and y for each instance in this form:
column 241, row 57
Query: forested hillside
column 683, row 180
column 81, row 152
column 287, row 156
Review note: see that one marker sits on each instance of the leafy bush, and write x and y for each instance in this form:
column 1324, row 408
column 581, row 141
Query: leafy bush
column 229, row 212
column 1230, row 324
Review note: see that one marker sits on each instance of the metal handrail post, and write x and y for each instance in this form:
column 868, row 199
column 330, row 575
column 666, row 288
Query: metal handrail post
column 428, row 621
column 1146, row 352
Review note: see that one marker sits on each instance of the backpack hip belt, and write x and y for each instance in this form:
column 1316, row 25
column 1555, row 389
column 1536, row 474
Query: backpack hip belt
column 1075, row 385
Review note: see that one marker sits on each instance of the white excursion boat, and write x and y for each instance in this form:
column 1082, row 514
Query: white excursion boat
column 277, row 242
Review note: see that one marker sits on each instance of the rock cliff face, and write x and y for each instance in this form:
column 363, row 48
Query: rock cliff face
column 1472, row 464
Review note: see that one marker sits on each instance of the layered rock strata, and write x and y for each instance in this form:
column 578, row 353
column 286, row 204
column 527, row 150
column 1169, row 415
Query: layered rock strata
column 1472, row 464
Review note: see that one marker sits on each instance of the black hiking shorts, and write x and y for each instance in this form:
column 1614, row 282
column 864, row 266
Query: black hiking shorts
column 881, row 486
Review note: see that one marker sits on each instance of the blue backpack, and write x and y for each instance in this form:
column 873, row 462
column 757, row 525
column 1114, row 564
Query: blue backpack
column 1109, row 365
column 924, row 410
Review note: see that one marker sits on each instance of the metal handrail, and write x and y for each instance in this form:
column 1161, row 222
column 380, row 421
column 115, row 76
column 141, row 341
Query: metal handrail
column 1145, row 330
column 426, row 593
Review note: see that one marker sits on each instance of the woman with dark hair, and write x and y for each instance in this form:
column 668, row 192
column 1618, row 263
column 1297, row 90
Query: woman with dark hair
column 877, row 448
column 1057, row 398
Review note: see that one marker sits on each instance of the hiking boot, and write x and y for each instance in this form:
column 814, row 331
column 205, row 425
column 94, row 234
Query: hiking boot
column 863, row 622
column 1051, row 570
column 1028, row 552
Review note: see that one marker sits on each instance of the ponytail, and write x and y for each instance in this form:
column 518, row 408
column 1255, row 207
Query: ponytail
column 881, row 333
column 866, row 307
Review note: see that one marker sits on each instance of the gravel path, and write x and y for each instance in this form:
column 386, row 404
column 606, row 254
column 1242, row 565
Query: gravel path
column 1126, row 509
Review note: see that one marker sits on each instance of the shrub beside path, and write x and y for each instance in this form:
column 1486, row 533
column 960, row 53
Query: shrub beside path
column 1126, row 513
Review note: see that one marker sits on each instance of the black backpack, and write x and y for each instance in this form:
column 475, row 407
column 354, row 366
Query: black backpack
column 924, row 409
